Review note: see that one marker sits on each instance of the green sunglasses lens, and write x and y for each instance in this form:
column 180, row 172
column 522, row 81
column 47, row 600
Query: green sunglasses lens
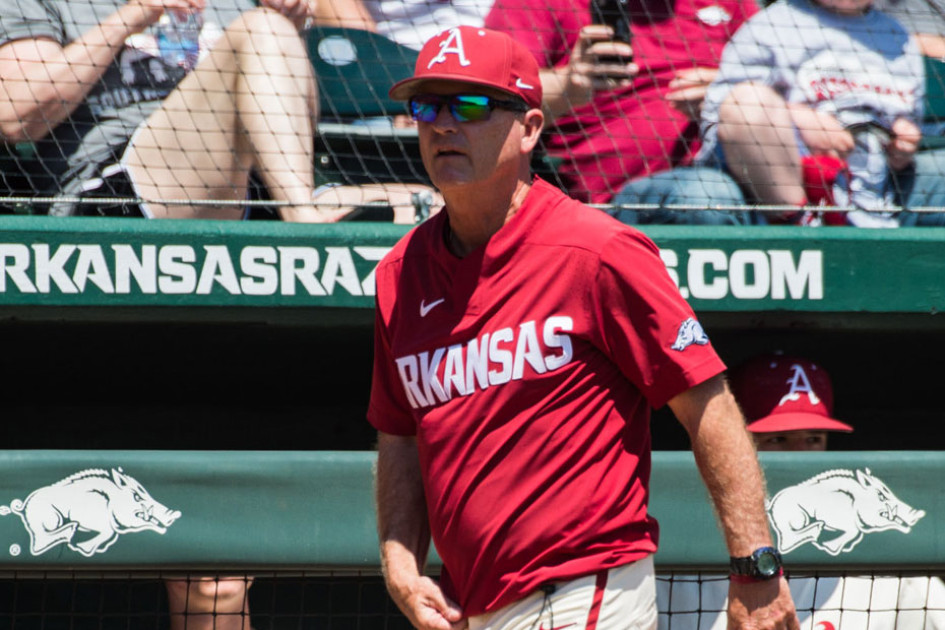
column 463, row 107
column 470, row 108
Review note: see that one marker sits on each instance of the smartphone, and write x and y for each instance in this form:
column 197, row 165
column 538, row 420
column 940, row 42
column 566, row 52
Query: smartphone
column 616, row 15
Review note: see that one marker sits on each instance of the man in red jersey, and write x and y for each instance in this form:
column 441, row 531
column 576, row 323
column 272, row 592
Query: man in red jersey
column 521, row 339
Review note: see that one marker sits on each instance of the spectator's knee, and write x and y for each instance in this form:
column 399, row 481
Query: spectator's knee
column 265, row 30
column 750, row 104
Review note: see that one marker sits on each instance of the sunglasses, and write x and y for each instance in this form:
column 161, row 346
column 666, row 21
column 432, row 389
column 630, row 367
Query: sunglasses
column 463, row 107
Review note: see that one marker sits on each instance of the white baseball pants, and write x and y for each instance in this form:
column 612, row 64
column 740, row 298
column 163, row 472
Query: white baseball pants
column 623, row 598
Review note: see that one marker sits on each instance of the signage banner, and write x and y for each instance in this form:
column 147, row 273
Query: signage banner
column 120, row 262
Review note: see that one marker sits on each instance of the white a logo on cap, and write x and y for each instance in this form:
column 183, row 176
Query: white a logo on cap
column 452, row 44
column 800, row 384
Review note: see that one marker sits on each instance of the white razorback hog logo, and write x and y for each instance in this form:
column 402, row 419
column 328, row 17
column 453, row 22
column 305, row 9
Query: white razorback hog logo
column 103, row 503
column 452, row 44
column 714, row 15
column 843, row 502
column 690, row 332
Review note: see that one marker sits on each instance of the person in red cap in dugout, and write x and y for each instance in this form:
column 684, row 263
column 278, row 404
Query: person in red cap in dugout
column 788, row 402
column 521, row 340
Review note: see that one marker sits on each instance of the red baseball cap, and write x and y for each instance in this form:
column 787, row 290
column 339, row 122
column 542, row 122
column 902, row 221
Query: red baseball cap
column 783, row 393
column 479, row 56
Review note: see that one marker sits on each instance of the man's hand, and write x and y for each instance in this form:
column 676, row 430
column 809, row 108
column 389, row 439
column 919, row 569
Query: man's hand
column 904, row 143
column 687, row 90
column 764, row 605
column 425, row 605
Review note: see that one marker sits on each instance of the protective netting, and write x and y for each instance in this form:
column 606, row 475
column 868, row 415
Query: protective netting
column 824, row 601
column 142, row 602
column 237, row 140
column 360, row 602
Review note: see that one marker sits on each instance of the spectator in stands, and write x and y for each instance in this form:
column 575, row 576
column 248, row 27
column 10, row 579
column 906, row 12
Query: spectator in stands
column 84, row 80
column 788, row 403
column 617, row 121
column 819, row 102
column 202, row 603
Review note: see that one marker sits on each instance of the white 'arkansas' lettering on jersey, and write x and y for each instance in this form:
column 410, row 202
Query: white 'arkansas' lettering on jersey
column 495, row 358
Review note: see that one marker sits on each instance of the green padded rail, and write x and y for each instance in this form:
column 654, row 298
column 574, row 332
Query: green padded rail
column 100, row 510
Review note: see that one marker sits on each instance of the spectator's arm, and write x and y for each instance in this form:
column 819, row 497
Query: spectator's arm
column 821, row 133
column 687, row 90
column 575, row 83
column 345, row 14
column 931, row 45
column 42, row 82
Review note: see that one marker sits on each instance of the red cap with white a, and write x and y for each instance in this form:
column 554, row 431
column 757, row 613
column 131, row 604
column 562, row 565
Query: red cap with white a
column 478, row 56
column 783, row 393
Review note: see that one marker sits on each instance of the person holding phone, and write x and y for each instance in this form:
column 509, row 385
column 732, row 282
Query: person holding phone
column 622, row 117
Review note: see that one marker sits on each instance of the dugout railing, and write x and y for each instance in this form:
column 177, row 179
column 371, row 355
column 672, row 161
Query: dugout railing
column 302, row 525
column 310, row 511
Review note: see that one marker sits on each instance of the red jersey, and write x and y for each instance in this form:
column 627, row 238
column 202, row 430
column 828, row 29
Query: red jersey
column 527, row 370
column 630, row 132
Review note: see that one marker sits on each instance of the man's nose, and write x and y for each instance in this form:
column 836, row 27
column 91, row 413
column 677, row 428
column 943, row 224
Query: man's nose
column 444, row 119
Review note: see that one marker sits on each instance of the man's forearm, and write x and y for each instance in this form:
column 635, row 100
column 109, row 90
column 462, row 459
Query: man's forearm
column 728, row 463
column 731, row 472
column 403, row 530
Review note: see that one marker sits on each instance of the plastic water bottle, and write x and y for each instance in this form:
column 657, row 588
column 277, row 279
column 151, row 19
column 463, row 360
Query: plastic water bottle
column 179, row 38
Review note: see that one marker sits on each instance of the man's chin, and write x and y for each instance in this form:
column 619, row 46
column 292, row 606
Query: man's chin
column 446, row 181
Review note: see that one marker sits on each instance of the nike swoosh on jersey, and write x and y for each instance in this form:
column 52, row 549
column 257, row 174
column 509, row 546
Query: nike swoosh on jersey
column 426, row 308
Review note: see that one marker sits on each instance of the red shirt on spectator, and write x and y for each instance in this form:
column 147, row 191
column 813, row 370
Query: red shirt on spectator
column 629, row 132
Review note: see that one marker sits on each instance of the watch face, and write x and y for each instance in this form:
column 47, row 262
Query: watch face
column 767, row 563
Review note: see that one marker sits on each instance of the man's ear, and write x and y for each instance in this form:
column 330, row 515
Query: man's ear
column 534, row 122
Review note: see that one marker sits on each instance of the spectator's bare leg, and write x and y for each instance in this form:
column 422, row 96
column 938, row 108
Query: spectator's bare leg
column 204, row 603
column 760, row 145
column 398, row 196
column 251, row 103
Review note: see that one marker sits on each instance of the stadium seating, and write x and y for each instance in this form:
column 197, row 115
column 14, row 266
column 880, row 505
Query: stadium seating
column 934, row 120
column 356, row 141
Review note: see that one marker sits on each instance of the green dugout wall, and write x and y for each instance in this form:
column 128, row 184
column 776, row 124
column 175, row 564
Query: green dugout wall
column 225, row 368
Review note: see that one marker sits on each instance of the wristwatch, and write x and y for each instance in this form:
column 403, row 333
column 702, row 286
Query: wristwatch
column 763, row 564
